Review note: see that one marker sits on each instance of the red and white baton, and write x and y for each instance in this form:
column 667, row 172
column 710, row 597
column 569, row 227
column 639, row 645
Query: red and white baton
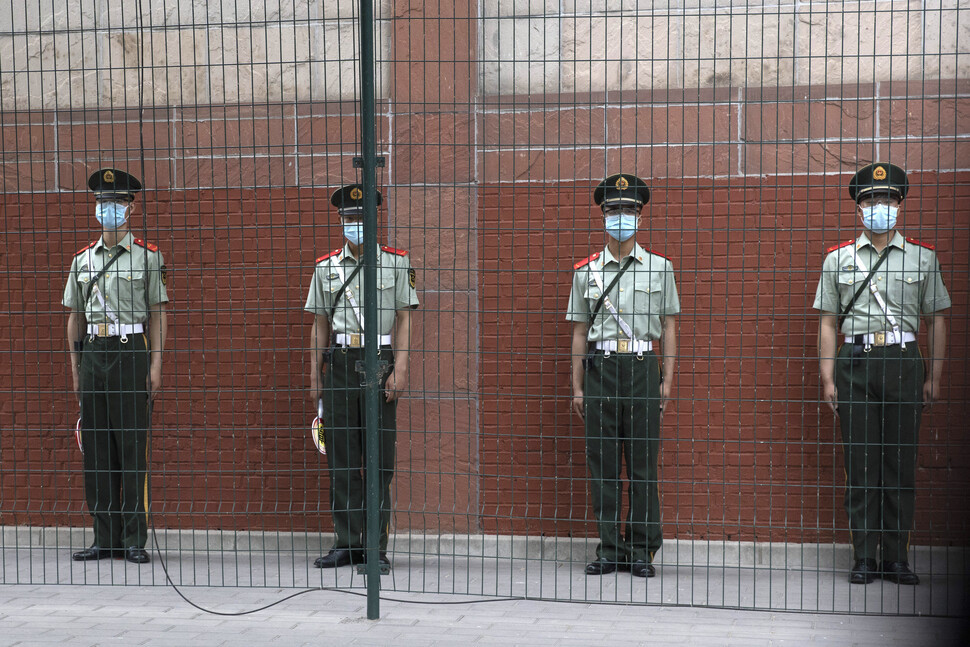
column 316, row 429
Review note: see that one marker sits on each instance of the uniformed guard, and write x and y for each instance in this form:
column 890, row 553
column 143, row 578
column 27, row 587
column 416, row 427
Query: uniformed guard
column 623, row 303
column 879, row 285
column 336, row 299
column 116, row 330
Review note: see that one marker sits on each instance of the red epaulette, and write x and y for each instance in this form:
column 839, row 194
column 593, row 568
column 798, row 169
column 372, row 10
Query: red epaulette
column 920, row 243
column 655, row 253
column 586, row 261
column 149, row 246
column 329, row 254
column 839, row 246
column 85, row 248
column 391, row 250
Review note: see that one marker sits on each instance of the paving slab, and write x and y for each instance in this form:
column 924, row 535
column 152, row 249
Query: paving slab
column 112, row 602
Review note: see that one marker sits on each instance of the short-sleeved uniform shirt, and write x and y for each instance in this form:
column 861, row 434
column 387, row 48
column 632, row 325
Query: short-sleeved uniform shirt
column 909, row 280
column 133, row 283
column 395, row 289
column 645, row 294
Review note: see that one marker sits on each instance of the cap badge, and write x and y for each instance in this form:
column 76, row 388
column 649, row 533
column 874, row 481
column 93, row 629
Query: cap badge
column 879, row 173
column 356, row 194
column 622, row 183
column 109, row 177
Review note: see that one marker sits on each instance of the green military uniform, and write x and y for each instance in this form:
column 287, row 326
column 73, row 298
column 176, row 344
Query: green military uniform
column 622, row 394
column 879, row 372
column 344, row 392
column 113, row 371
column 880, row 386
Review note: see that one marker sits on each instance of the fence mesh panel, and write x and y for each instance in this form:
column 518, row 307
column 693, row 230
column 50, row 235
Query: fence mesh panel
column 496, row 121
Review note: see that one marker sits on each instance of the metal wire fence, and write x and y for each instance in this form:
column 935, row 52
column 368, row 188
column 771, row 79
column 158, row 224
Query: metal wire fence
column 495, row 122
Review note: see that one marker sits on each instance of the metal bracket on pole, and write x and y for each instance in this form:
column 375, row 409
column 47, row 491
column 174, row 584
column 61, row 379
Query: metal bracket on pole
column 379, row 162
column 362, row 569
column 382, row 368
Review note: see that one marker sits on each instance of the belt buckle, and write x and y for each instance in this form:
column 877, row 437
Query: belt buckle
column 879, row 339
column 623, row 346
column 102, row 330
column 355, row 340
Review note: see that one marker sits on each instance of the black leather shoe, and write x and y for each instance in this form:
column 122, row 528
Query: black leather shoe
column 335, row 558
column 864, row 571
column 384, row 561
column 600, row 567
column 137, row 555
column 899, row 573
column 91, row 553
column 641, row 568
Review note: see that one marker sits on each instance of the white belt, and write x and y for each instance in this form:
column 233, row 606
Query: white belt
column 356, row 340
column 625, row 345
column 114, row 330
column 881, row 338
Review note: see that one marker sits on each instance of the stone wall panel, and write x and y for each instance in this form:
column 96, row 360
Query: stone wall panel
column 843, row 43
column 434, row 148
column 48, row 16
column 176, row 68
column 436, row 225
column 430, row 65
column 620, row 53
column 543, row 127
column 806, row 157
column 48, row 71
column 672, row 124
column 520, row 55
column 739, row 49
column 946, row 39
column 800, row 120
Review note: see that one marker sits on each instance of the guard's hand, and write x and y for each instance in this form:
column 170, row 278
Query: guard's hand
column 665, row 389
column 76, row 378
column 931, row 392
column 577, row 405
column 396, row 382
column 830, row 396
column 154, row 382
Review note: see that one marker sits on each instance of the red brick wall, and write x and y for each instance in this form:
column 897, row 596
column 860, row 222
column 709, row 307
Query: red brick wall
column 492, row 198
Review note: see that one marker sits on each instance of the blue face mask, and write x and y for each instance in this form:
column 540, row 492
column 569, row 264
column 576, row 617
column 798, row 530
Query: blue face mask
column 111, row 215
column 879, row 218
column 621, row 227
column 354, row 232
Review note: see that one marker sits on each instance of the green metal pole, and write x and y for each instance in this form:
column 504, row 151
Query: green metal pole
column 371, row 376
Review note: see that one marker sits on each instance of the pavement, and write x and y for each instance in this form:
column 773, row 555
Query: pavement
column 473, row 595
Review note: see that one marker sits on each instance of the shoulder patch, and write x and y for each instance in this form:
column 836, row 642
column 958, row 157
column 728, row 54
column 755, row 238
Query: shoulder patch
column 85, row 248
column 328, row 255
column 920, row 243
column 655, row 253
column 839, row 246
column 586, row 261
column 149, row 246
column 391, row 250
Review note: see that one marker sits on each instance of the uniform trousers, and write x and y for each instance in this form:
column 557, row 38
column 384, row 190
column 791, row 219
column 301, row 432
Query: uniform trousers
column 345, row 421
column 622, row 409
column 880, row 400
column 114, row 435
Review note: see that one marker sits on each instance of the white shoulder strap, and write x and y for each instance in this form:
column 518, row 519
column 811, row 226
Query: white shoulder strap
column 350, row 293
column 624, row 326
column 96, row 293
column 882, row 302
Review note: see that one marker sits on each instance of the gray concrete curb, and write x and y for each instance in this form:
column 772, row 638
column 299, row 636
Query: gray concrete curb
column 948, row 559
